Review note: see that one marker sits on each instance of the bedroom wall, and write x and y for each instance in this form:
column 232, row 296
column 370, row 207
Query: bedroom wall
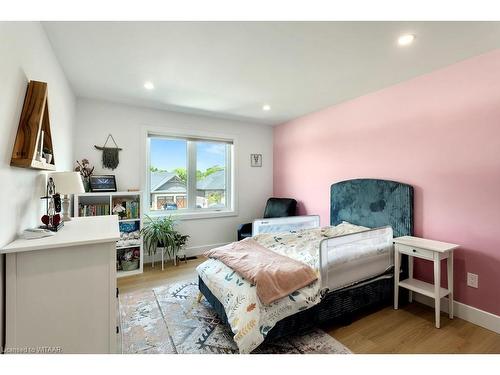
column 439, row 132
column 27, row 55
column 96, row 119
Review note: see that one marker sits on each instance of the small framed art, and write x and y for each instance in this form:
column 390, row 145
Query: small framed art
column 106, row 183
column 256, row 160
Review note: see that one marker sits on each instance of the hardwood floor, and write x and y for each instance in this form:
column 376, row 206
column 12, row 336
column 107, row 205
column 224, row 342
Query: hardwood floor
column 411, row 330
column 407, row 330
column 152, row 277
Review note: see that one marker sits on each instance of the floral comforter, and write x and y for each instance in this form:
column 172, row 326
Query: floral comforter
column 250, row 320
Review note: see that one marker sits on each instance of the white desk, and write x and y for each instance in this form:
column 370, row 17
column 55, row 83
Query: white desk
column 434, row 251
column 61, row 290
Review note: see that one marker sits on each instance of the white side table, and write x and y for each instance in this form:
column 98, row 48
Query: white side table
column 435, row 251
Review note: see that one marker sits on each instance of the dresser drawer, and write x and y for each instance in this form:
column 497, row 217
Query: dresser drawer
column 415, row 251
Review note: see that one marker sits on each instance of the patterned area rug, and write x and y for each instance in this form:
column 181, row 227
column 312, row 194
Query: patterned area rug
column 169, row 319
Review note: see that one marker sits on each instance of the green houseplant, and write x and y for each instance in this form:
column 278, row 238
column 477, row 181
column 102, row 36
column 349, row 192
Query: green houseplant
column 180, row 241
column 161, row 232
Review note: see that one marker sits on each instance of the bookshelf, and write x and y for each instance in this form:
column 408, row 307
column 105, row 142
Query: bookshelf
column 129, row 249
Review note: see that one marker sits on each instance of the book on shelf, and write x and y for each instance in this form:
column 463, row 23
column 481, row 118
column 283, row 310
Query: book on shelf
column 93, row 209
column 131, row 210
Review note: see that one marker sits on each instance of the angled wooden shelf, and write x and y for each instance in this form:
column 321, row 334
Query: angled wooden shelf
column 34, row 119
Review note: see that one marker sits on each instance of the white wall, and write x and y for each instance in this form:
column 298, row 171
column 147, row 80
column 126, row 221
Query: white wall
column 96, row 119
column 26, row 54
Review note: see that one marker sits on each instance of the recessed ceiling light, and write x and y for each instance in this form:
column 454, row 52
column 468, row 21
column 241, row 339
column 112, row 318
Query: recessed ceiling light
column 406, row 39
column 266, row 107
column 149, row 85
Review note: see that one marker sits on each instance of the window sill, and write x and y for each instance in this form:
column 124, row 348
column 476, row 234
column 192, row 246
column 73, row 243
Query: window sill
column 193, row 215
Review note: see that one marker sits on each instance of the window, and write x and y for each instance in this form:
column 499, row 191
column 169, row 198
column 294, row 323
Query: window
column 189, row 174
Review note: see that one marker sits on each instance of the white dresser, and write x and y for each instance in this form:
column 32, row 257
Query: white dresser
column 61, row 290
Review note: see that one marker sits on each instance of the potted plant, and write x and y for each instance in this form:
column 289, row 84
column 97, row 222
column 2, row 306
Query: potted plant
column 161, row 232
column 180, row 243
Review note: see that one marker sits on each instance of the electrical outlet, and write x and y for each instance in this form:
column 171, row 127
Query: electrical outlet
column 472, row 280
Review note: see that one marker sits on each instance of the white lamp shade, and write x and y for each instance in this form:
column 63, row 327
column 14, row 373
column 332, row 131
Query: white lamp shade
column 68, row 182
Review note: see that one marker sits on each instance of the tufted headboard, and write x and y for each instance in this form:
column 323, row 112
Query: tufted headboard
column 373, row 203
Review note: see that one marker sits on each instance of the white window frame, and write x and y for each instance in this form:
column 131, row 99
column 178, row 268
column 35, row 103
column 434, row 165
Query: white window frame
column 190, row 212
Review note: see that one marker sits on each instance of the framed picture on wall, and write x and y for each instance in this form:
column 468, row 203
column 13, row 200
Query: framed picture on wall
column 105, row 183
column 256, row 160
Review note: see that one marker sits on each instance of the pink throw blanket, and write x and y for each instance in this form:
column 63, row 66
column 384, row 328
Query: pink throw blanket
column 275, row 276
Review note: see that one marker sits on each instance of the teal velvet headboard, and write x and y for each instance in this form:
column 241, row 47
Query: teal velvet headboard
column 373, row 203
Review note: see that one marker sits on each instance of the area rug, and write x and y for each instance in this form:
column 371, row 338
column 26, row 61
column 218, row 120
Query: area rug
column 169, row 319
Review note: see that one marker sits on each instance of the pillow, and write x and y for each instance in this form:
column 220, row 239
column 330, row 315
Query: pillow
column 344, row 228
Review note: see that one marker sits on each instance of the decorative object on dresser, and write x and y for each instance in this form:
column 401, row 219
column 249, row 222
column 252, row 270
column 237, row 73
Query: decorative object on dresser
column 51, row 219
column 106, row 183
column 35, row 233
column 161, row 233
column 128, row 207
column 434, row 251
column 256, row 160
column 85, row 170
column 33, row 133
column 61, row 290
column 67, row 183
column 109, row 154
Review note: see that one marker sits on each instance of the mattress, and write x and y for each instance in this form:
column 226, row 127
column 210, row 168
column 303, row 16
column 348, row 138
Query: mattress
column 249, row 319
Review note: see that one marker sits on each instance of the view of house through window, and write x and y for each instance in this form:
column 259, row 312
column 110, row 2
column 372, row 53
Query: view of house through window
column 211, row 175
column 187, row 174
column 167, row 174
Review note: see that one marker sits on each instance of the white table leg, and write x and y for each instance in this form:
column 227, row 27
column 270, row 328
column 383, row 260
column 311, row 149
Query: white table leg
column 449, row 263
column 162, row 260
column 410, row 274
column 437, row 285
column 397, row 268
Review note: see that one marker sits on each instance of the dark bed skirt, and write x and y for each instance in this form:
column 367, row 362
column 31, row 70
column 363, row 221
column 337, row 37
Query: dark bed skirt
column 338, row 306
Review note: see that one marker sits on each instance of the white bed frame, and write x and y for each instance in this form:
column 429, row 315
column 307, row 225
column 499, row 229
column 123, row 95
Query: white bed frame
column 378, row 242
column 333, row 276
column 284, row 224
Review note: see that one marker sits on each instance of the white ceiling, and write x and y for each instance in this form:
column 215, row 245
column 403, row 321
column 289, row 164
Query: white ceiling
column 231, row 69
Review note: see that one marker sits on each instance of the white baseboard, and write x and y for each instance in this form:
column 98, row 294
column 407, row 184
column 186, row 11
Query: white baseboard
column 198, row 250
column 190, row 251
column 471, row 314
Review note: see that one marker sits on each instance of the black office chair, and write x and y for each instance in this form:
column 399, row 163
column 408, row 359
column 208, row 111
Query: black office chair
column 275, row 207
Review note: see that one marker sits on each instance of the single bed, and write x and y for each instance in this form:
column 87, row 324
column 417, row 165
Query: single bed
column 364, row 202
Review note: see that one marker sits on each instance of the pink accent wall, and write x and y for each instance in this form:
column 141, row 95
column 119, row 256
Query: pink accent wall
column 439, row 132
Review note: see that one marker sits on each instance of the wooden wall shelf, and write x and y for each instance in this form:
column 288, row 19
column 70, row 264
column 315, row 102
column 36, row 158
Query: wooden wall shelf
column 34, row 164
column 34, row 119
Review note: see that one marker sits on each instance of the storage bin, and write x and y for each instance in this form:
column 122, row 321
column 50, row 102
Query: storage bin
column 130, row 265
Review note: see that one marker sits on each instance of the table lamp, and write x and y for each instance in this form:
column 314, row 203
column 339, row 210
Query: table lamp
column 67, row 183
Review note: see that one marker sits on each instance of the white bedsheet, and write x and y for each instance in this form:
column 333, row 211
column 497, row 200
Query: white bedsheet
column 249, row 319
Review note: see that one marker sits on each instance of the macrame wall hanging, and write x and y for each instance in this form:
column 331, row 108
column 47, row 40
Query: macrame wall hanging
column 109, row 154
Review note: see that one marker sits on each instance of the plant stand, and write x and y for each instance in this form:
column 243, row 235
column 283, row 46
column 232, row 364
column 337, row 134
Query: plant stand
column 178, row 256
column 162, row 258
column 162, row 251
column 182, row 254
